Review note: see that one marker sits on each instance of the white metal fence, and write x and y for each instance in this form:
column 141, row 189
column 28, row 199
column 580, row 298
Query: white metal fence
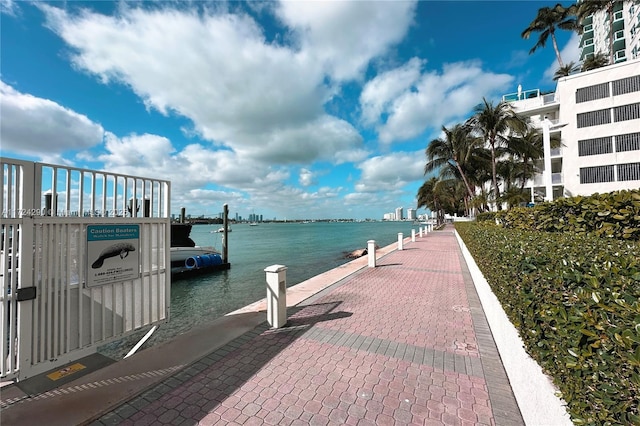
column 56, row 305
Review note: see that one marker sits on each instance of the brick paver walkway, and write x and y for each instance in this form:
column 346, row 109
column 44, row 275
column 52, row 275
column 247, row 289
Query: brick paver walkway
column 404, row 343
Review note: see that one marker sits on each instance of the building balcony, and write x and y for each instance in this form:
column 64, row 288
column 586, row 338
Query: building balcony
column 586, row 51
column 586, row 40
column 531, row 102
column 518, row 96
column 556, row 152
column 620, row 56
column 538, row 180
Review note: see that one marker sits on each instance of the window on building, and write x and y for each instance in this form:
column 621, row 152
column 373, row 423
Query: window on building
column 594, row 118
column 626, row 112
column 595, row 146
column 591, row 93
column 596, row 174
column 628, row 142
column 629, row 171
column 626, row 85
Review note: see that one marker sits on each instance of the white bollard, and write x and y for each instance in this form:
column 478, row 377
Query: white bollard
column 371, row 252
column 400, row 241
column 413, row 235
column 421, row 232
column 276, row 295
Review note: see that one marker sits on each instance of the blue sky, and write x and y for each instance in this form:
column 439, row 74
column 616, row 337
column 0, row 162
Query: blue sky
column 298, row 110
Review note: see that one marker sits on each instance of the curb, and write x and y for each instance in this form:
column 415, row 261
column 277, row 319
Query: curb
column 533, row 389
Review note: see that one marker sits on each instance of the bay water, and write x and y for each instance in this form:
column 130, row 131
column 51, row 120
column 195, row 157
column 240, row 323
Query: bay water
column 306, row 249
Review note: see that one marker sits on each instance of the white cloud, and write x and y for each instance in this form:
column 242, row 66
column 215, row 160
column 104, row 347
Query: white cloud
column 569, row 53
column 378, row 94
column 405, row 110
column 390, row 172
column 201, row 177
column 306, row 177
column 262, row 100
column 343, row 36
column 315, row 140
column 8, row 7
column 40, row 127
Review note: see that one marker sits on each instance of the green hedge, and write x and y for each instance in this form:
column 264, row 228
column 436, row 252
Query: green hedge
column 486, row 216
column 615, row 214
column 575, row 302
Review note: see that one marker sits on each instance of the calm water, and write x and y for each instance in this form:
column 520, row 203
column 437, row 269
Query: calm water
column 307, row 249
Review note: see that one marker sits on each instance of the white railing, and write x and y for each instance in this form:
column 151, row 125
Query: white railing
column 556, row 152
column 57, row 303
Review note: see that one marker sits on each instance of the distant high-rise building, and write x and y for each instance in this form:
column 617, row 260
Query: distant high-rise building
column 621, row 33
column 399, row 214
column 389, row 216
column 411, row 214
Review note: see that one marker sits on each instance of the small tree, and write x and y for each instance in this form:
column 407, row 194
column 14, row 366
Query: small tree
column 566, row 70
column 598, row 60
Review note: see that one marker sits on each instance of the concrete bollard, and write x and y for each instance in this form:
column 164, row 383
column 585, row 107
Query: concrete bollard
column 413, row 235
column 371, row 252
column 276, row 295
column 421, row 232
column 400, row 238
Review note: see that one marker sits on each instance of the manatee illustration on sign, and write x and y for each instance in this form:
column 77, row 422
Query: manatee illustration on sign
column 120, row 249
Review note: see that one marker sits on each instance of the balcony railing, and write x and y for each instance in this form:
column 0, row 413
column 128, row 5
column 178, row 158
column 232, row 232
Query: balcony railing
column 526, row 94
column 538, row 180
column 556, row 152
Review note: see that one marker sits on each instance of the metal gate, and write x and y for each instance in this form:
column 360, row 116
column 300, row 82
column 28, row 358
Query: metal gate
column 84, row 260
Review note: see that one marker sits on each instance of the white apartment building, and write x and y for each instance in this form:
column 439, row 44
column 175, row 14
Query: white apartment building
column 624, row 29
column 399, row 213
column 597, row 114
column 411, row 214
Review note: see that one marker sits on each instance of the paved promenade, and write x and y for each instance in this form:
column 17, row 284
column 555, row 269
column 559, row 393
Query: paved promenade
column 406, row 342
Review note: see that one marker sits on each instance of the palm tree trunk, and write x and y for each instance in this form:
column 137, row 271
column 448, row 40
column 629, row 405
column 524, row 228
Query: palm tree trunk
column 464, row 179
column 495, row 174
column 555, row 47
column 525, row 161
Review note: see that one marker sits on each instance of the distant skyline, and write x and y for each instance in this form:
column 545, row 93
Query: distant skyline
column 303, row 110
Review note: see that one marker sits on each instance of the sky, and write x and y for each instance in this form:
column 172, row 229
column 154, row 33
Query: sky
column 290, row 110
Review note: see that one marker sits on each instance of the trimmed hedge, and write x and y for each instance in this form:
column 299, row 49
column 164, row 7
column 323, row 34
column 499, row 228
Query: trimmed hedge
column 484, row 216
column 575, row 300
column 615, row 214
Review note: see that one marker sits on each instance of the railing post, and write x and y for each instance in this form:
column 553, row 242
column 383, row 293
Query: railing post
column 276, row 295
column 413, row 235
column 400, row 238
column 421, row 232
column 371, row 252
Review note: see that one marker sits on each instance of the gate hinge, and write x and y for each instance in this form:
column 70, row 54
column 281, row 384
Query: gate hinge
column 26, row 293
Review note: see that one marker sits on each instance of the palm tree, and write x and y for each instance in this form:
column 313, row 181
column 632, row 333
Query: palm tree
column 546, row 22
column 493, row 123
column 510, row 169
column 565, row 70
column 589, row 7
column 598, row 60
column 454, row 150
column 437, row 195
